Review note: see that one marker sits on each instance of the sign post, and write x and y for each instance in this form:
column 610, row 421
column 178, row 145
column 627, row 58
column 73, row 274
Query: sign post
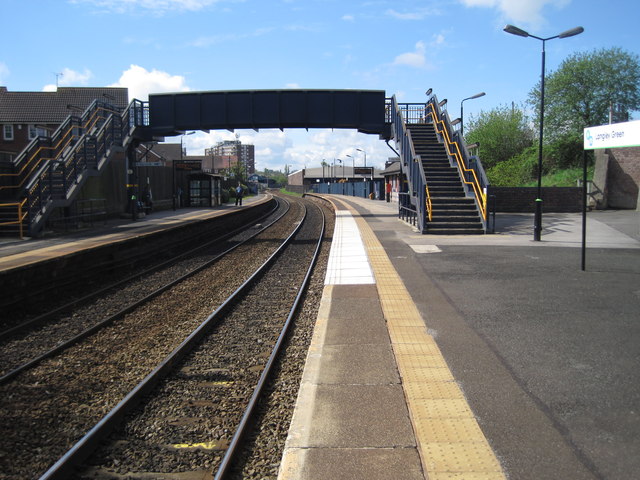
column 616, row 135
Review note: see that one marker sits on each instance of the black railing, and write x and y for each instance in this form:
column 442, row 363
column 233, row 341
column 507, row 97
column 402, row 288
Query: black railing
column 411, row 164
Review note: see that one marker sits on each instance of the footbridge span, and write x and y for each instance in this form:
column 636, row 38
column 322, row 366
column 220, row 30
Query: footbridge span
column 363, row 110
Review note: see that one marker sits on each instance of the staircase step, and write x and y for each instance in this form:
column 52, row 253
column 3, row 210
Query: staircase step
column 454, row 231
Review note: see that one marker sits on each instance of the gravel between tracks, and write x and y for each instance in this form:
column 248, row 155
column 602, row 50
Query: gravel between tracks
column 46, row 409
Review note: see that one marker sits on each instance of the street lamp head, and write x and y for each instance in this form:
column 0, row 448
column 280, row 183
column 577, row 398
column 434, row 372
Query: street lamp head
column 428, row 92
column 571, row 33
column 478, row 95
column 515, row 31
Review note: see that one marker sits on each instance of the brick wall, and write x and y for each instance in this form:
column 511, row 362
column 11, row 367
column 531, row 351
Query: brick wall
column 623, row 177
column 522, row 199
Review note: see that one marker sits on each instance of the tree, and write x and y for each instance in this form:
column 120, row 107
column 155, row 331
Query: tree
column 585, row 88
column 503, row 133
column 238, row 171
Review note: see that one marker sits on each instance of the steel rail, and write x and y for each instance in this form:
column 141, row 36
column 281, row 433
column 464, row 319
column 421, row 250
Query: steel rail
column 65, row 465
column 228, row 457
column 74, row 303
column 129, row 308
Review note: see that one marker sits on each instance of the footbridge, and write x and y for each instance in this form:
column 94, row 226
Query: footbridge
column 445, row 186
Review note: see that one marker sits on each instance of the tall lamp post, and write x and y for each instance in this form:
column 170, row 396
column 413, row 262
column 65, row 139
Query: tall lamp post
column 365, row 163
column 365, row 156
column 173, row 172
column 537, row 223
column 477, row 95
column 353, row 166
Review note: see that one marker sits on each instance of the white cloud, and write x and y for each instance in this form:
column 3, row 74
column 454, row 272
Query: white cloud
column 296, row 147
column 156, row 7
column 69, row 78
column 4, row 73
column 525, row 12
column 142, row 82
column 72, row 78
column 415, row 59
column 419, row 14
column 348, row 18
column 208, row 41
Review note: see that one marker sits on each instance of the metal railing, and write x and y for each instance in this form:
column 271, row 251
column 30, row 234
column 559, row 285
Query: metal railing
column 470, row 168
column 418, row 199
column 11, row 210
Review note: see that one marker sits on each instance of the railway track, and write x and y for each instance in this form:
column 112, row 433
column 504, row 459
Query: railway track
column 65, row 282
column 22, row 346
column 55, row 403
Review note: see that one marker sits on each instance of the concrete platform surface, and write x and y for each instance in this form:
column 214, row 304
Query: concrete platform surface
column 475, row 357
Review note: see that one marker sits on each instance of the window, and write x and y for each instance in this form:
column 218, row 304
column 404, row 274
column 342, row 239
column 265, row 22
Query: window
column 7, row 132
column 35, row 131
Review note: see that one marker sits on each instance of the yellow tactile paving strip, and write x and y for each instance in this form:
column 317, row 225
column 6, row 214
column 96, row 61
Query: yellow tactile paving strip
column 450, row 442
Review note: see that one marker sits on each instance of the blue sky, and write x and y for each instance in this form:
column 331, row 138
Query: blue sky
column 456, row 47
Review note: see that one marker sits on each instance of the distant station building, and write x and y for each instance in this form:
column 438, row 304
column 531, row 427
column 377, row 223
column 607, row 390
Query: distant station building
column 341, row 179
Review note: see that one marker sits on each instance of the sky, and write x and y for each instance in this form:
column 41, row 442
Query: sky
column 404, row 47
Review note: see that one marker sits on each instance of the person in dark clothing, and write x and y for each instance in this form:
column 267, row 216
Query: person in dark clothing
column 239, row 195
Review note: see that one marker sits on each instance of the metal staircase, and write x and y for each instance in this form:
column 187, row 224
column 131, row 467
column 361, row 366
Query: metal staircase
column 51, row 171
column 446, row 186
column 452, row 211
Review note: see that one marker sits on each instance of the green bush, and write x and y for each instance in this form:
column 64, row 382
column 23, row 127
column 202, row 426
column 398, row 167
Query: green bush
column 516, row 171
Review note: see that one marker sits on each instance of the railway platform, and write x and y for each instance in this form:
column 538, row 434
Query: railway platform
column 16, row 253
column 445, row 357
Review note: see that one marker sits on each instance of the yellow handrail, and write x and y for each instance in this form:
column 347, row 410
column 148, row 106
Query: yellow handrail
column 481, row 196
column 20, row 216
column 428, row 202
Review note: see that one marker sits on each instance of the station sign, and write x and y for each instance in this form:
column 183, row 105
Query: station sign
column 189, row 165
column 626, row 134
column 363, row 171
column 149, row 164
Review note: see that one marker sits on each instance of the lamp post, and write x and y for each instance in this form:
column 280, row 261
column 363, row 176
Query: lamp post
column 353, row 167
column 477, row 95
column 365, row 156
column 537, row 223
column 173, row 171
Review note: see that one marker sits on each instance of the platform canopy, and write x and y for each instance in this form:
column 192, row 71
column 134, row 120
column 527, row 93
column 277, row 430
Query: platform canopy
column 174, row 113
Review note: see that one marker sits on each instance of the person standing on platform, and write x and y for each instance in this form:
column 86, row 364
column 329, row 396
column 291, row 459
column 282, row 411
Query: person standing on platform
column 239, row 195
column 388, row 191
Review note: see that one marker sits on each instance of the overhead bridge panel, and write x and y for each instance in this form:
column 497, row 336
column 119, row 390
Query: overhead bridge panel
column 363, row 110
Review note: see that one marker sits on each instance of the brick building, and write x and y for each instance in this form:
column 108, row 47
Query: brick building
column 224, row 155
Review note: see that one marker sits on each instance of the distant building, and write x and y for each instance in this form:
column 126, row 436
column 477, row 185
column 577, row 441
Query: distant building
column 27, row 115
column 331, row 174
column 225, row 154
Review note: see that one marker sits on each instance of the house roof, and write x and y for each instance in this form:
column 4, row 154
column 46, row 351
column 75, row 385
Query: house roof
column 393, row 168
column 164, row 151
column 52, row 107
